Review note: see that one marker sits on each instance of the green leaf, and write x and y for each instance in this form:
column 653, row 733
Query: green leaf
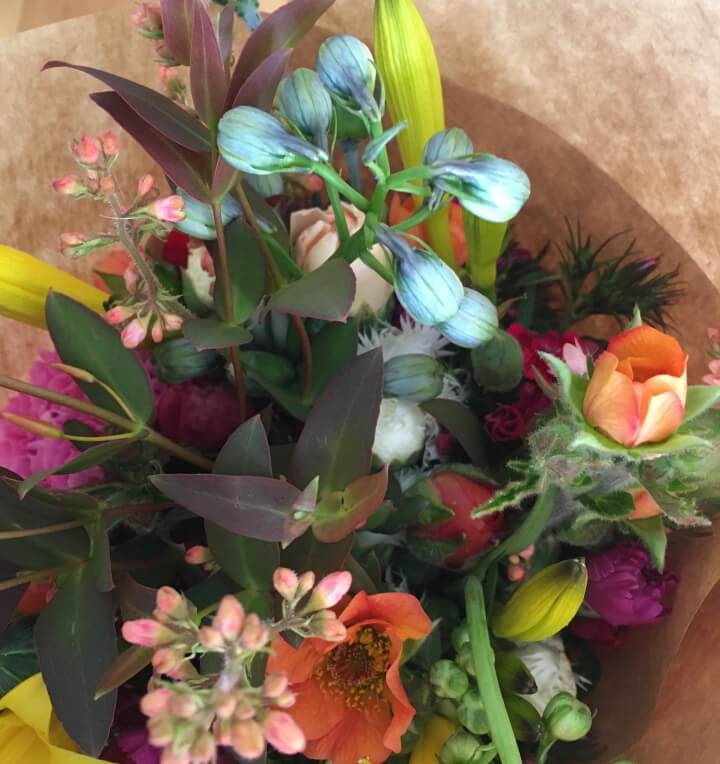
column 267, row 216
column 18, row 658
column 343, row 512
column 249, row 562
column 76, row 642
column 334, row 346
column 596, row 441
column 613, row 506
column 336, row 442
column 510, row 495
column 651, row 532
column 525, row 720
column 246, row 266
column 44, row 551
column 128, row 664
column 307, row 553
column 83, row 339
column 210, row 334
column 246, row 451
column 90, row 457
column 290, row 400
column 326, row 293
column 135, row 600
column 700, row 398
column 461, row 422
column 514, row 675
column 350, row 250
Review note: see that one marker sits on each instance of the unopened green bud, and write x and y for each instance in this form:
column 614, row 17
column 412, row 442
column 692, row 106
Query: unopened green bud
column 414, row 377
column 567, row 718
column 460, row 636
column 471, row 713
column 447, row 708
column 498, row 363
column 305, row 103
column 461, row 748
column 464, row 659
column 449, row 680
column 178, row 361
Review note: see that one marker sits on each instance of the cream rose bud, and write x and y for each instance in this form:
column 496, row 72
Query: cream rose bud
column 315, row 239
column 401, row 432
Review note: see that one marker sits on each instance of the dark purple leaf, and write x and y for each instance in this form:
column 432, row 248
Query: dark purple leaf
column 326, row 293
column 336, row 442
column 256, row 507
column 224, row 179
column 186, row 168
column 156, row 109
column 281, row 29
column 135, row 599
column 129, row 663
column 208, row 81
column 177, row 16
column 226, row 24
column 246, row 451
column 259, row 88
column 76, row 642
column 461, row 422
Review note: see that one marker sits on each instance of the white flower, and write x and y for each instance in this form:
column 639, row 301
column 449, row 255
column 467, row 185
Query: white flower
column 409, row 337
column 551, row 669
column 200, row 275
column 400, row 433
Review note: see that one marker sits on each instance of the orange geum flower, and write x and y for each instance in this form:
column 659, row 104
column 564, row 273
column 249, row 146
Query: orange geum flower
column 351, row 703
column 638, row 388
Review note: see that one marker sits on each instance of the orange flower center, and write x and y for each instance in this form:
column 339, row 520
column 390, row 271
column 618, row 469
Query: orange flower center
column 356, row 669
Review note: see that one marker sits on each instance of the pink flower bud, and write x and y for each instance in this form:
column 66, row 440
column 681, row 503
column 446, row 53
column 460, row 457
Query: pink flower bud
column 156, row 702
column 229, row 618
column 184, row 706
column 248, row 739
column 147, row 632
column 157, row 333
column 119, row 314
column 222, row 732
column 69, row 185
column 203, row 748
column 171, row 602
column 305, row 583
column 131, row 277
column 285, row 583
column 211, row 638
column 255, row 634
column 329, row 591
column 161, row 731
column 70, row 241
column 275, row 685
column 170, row 209
column 165, row 73
column 528, row 552
column 147, row 18
column 173, row 322
column 283, row 733
column 134, row 333
column 107, row 186
column 110, row 143
column 87, row 150
column 166, row 660
column 225, row 706
column 286, row 700
column 145, row 185
column 170, row 757
column 326, row 625
column 515, row 573
column 198, row 555
column 244, row 709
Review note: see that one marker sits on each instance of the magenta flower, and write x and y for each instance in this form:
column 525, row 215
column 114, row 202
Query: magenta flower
column 624, row 588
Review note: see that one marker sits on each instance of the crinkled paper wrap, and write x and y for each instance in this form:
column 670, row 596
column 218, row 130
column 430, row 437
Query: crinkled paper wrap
column 611, row 107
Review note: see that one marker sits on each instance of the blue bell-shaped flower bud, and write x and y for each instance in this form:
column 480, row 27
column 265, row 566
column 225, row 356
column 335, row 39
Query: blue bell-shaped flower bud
column 491, row 188
column 347, row 69
column 475, row 322
column 305, row 103
column 199, row 221
column 254, row 142
column 429, row 290
column 454, row 143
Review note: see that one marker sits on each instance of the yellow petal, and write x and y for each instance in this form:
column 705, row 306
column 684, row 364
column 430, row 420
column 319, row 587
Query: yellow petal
column 25, row 282
column 30, row 702
column 435, row 734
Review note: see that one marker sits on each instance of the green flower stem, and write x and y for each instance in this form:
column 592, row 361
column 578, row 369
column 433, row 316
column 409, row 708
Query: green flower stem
column 229, row 309
column 376, row 130
column 276, row 277
column 352, row 161
column 331, row 178
column 339, row 212
column 417, row 218
column 421, row 172
column 484, row 661
column 45, row 530
column 279, row 251
column 151, row 436
column 546, row 743
column 306, row 349
column 367, row 257
column 38, row 575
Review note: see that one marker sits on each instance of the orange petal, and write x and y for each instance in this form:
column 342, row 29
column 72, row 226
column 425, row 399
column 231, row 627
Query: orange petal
column 357, row 735
column 610, row 403
column 648, row 352
column 298, row 664
column 401, row 612
column 317, row 712
column 401, row 208
column 645, row 505
column 664, row 414
column 666, row 383
column 402, row 710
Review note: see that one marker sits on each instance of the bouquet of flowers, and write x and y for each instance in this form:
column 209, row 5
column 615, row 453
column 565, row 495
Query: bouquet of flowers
column 318, row 468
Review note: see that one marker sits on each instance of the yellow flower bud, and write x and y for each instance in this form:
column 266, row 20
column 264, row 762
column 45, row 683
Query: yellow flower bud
column 406, row 59
column 485, row 244
column 543, row 605
column 34, row 425
column 434, row 736
column 25, row 282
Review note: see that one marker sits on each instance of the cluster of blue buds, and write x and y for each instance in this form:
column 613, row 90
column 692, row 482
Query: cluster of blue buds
column 431, row 292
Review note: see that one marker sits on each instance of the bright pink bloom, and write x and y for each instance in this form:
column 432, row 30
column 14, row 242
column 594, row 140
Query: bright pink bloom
column 147, row 632
column 134, row 333
column 119, row 314
column 285, row 583
column 170, row 209
column 110, row 143
column 229, row 618
column 69, row 185
column 329, row 591
column 87, row 150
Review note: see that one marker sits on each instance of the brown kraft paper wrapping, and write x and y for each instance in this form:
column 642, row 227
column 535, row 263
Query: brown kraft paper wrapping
column 611, row 108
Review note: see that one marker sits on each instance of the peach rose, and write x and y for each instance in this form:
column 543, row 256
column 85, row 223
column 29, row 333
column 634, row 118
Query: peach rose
column 315, row 239
column 638, row 388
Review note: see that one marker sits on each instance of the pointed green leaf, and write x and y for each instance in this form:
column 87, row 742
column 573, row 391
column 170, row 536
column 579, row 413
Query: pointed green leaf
column 246, row 451
column 128, row 664
column 209, row 334
column 177, row 18
column 700, row 398
column 651, row 532
column 249, row 562
column 461, row 422
column 246, row 265
column 333, row 346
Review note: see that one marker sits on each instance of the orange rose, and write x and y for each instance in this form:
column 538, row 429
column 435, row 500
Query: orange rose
column 638, row 388
column 350, row 699
column 645, row 505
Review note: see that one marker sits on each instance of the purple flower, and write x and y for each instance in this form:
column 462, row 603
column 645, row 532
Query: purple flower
column 624, row 588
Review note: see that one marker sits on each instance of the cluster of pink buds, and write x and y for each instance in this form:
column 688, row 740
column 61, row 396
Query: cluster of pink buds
column 147, row 18
column 138, row 322
column 308, row 607
column 96, row 155
column 517, row 564
column 175, row 86
column 202, row 556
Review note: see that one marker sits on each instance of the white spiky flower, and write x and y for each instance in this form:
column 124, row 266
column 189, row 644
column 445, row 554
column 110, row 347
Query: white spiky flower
column 409, row 337
column 551, row 670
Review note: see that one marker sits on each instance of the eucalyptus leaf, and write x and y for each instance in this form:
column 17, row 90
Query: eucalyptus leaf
column 249, row 562
column 210, row 334
column 246, row 266
column 246, row 451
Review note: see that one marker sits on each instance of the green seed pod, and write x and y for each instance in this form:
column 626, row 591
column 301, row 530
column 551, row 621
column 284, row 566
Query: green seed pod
column 498, row 363
column 461, row 748
column 471, row 713
column 178, row 361
column 414, row 377
column 449, row 680
column 464, row 659
column 460, row 636
column 567, row 718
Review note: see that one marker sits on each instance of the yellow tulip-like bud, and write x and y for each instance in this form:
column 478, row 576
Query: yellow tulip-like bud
column 409, row 69
column 25, row 282
column 435, row 734
column 485, row 245
column 543, row 605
